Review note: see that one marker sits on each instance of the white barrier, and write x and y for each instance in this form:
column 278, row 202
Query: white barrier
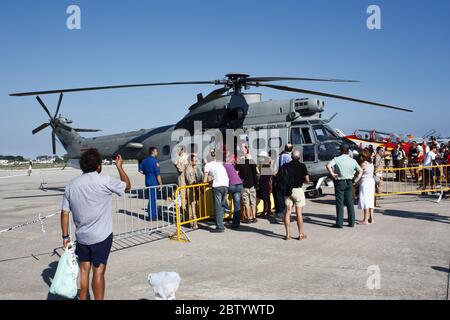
column 131, row 215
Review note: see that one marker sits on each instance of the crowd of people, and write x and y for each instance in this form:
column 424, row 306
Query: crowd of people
column 89, row 196
column 246, row 180
column 416, row 164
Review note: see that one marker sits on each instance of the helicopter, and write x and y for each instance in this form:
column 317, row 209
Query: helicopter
column 297, row 120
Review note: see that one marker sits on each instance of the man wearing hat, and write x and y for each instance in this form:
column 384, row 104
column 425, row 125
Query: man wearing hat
column 343, row 169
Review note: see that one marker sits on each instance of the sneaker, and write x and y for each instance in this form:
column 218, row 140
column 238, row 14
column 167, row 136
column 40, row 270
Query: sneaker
column 247, row 221
column 254, row 220
column 337, row 226
column 217, row 230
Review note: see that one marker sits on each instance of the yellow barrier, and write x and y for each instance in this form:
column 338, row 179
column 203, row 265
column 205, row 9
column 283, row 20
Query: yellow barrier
column 414, row 180
column 192, row 206
column 195, row 203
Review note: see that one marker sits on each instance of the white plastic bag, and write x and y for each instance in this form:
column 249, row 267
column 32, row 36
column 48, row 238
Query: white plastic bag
column 164, row 284
column 65, row 280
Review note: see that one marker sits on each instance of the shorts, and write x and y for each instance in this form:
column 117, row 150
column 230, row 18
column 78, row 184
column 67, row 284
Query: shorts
column 96, row 253
column 297, row 198
column 248, row 197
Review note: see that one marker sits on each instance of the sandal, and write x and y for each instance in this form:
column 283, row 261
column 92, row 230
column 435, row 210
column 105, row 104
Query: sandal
column 302, row 237
column 362, row 222
column 287, row 238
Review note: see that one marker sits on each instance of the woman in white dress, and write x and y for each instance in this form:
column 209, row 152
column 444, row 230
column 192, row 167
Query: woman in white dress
column 367, row 189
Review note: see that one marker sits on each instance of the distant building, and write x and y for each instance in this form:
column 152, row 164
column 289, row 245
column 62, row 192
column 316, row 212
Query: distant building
column 46, row 159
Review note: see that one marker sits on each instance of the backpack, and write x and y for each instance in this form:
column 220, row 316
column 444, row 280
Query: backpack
column 284, row 181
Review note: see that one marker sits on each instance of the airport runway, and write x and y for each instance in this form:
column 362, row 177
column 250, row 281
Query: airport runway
column 409, row 243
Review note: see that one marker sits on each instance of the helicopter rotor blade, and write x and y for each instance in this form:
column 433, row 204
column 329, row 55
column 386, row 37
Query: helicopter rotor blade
column 53, row 141
column 43, row 106
column 41, row 127
column 329, row 95
column 113, row 87
column 266, row 79
column 59, row 104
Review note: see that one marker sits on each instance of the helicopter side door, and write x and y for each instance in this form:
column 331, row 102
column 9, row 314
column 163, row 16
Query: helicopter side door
column 303, row 139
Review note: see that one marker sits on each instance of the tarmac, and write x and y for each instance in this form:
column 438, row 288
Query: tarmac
column 408, row 248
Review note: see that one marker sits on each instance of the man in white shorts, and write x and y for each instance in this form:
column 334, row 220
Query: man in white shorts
column 295, row 173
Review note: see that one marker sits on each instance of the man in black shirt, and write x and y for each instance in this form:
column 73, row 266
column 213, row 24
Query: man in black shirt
column 295, row 173
column 247, row 172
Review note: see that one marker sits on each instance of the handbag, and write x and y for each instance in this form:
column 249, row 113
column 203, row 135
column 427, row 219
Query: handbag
column 65, row 280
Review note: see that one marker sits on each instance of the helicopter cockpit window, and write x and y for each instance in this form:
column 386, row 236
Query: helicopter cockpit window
column 328, row 150
column 324, row 134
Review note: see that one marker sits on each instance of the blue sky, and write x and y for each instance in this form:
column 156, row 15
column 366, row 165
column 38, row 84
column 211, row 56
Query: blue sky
column 405, row 63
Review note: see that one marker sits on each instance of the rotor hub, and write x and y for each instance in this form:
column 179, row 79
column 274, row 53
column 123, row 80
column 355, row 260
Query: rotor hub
column 235, row 81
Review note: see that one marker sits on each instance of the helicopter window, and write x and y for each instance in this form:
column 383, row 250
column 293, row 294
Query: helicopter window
column 301, row 136
column 323, row 134
column 296, row 137
column 308, row 153
column 306, row 133
column 259, row 144
column 166, row 150
column 328, row 150
column 275, row 142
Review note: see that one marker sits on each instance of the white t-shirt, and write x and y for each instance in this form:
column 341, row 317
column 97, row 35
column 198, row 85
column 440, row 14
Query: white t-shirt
column 218, row 172
column 429, row 158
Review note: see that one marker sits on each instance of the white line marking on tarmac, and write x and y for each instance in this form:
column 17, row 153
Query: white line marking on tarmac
column 17, row 175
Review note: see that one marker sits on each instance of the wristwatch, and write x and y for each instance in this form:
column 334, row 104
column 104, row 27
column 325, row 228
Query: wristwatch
column 66, row 237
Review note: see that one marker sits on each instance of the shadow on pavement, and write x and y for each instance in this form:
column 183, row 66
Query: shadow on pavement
column 442, row 269
column 325, row 201
column 247, row 228
column 417, row 215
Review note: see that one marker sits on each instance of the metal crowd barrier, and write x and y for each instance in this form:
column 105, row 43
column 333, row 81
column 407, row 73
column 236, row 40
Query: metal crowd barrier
column 193, row 204
column 177, row 209
column 131, row 216
column 414, row 180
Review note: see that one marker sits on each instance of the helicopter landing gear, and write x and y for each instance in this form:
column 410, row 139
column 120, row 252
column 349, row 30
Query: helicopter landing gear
column 315, row 190
column 312, row 193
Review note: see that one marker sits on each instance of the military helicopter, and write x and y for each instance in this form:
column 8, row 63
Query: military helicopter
column 296, row 120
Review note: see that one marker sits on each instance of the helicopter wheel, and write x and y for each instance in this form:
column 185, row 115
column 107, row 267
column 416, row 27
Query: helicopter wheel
column 312, row 192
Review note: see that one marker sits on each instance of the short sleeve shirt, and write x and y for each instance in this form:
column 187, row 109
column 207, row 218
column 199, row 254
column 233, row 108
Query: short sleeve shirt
column 281, row 161
column 345, row 167
column 429, row 158
column 298, row 172
column 89, row 198
column 247, row 172
column 218, row 173
column 233, row 176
